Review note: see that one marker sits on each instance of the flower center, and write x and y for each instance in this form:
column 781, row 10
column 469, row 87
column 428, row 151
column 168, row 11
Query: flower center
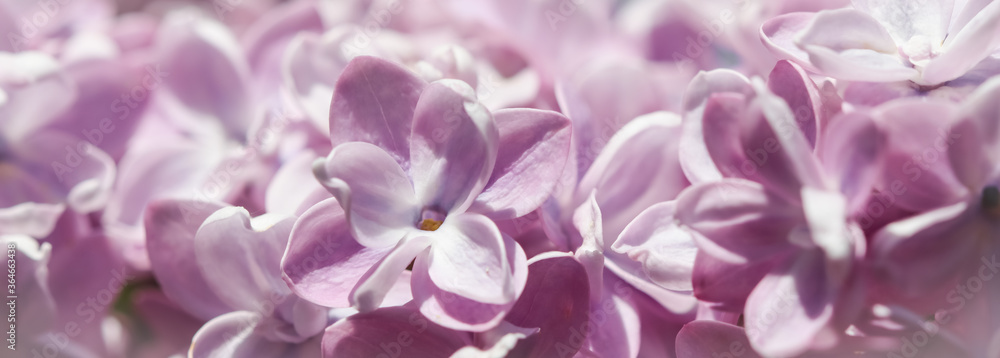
column 430, row 219
column 429, row 225
column 991, row 201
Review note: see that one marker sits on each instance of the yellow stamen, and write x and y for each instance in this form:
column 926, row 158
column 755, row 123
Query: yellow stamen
column 430, row 225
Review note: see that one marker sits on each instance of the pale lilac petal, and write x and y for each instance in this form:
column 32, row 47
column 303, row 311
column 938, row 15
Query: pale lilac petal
column 374, row 191
column 376, row 283
column 533, row 148
column 323, row 263
column 235, row 334
column 588, row 221
column 713, row 339
column 851, row 45
column 392, row 331
column 780, row 33
column 80, row 173
column 468, row 258
column 910, row 22
column 694, row 157
column 374, row 102
column 555, row 300
column 33, row 219
column 451, row 310
column 791, row 83
column 454, row 146
column 666, row 251
column 786, row 310
column 964, row 50
column 240, row 257
column 170, row 239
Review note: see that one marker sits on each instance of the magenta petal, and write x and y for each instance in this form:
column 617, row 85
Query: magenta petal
column 701, row 339
column 170, row 232
column 396, row 331
column 240, row 257
column 533, row 148
column 323, row 262
column 454, row 145
column 374, row 102
column 727, row 285
column 792, row 83
column 556, row 300
column 374, row 191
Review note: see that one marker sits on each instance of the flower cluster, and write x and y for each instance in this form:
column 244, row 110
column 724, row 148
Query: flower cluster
column 500, row 178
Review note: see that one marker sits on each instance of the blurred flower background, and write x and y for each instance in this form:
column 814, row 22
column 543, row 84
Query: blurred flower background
column 500, row 178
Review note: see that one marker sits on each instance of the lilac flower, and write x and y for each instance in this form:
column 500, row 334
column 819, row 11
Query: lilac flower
column 425, row 197
column 886, row 41
column 784, row 245
column 248, row 307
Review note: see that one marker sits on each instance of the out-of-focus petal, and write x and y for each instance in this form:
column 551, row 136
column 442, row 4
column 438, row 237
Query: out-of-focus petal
column 171, row 226
column 454, row 146
column 974, row 150
column 780, row 33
